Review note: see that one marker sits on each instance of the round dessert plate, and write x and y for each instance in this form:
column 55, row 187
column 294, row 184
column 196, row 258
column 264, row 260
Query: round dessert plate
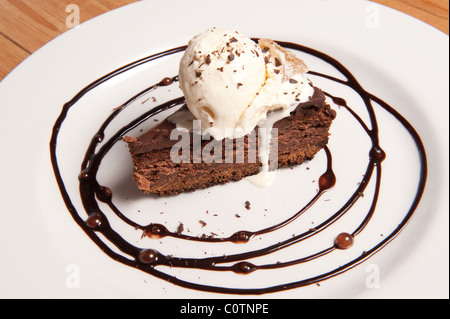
column 45, row 254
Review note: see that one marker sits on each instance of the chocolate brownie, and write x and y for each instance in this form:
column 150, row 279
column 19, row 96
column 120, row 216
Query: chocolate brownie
column 300, row 136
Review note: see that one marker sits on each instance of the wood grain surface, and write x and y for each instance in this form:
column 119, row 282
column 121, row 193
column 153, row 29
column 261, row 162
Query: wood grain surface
column 26, row 25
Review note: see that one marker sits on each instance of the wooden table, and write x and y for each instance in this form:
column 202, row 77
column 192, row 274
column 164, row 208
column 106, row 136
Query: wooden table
column 26, row 25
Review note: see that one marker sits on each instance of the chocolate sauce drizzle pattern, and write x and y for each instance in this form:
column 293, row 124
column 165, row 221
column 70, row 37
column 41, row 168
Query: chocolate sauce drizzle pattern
column 147, row 259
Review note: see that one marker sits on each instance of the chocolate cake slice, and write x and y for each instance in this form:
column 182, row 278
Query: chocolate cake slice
column 299, row 137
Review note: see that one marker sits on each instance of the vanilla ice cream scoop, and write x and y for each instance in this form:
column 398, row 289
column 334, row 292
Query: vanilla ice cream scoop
column 231, row 82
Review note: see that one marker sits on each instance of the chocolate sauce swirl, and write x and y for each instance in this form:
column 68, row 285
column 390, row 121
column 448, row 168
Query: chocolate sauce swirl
column 147, row 259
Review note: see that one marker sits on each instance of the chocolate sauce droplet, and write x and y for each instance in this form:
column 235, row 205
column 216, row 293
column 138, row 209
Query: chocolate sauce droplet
column 99, row 138
column 344, row 241
column 155, row 231
column 339, row 101
column 241, row 237
column 377, row 155
column 94, row 221
column 104, row 194
column 84, row 175
column 148, row 256
column 243, row 268
column 327, row 181
column 166, row 81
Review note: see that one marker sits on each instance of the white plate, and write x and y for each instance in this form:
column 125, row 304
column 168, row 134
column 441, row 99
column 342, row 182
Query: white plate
column 397, row 58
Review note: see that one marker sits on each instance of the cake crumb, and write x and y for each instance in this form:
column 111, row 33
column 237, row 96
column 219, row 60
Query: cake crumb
column 247, row 205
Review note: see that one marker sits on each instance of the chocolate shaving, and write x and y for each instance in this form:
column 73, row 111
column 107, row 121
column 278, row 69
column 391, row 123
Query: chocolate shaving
column 208, row 59
column 180, row 228
column 233, row 39
column 277, row 62
column 293, row 81
column 231, row 57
